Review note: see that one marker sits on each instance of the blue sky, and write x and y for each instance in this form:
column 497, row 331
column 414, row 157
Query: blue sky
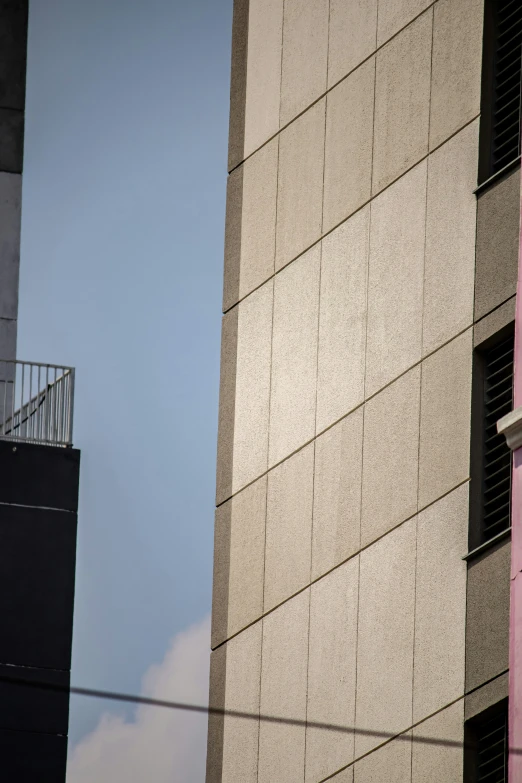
column 121, row 277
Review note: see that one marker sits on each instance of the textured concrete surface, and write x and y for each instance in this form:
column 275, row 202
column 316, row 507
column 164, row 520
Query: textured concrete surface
column 389, row 764
column 216, row 723
column 498, row 218
column 227, row 404
column 445, row 419
column 342, row 319
column 396, row 14
column 252, row 386
column 346, row 776
column 484, row 697
column 396, row 279
column 348, row 146
column 250, row 235
column 385, row 638
column 391, row 438
column 238, row 77
column 440, row 603
column 289, row 527
column 283, row 691
column 263, row 77
column 10, row 221
column 300, row 187
column 305, row 55
column 456, row 66
column 333, row 642
column 232, row 260
column 487, row 620
column 240, row 737
column 439, row 763
column 494, row 322
column 337, row 494
column 353, row 36
column 449, row 268
column 294, row 356
column 239, row 553
column 402, row 102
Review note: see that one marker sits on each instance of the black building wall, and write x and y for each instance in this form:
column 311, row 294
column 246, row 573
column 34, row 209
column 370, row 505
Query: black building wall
column 38, row 522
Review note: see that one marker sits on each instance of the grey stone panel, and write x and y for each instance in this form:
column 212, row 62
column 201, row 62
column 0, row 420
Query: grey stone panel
column 498, row 218
column 391, row 438
column 395, row 279
column 300, row 184
column 252, row 403
column 13, row 53
column 288, row 549
column 440, row 604
column 241, row 736
column 238, row 81
column 386, row 637
column 456, row 66
column 434, row 763
column 489, row 694
column 396, row 14
column 353, row 36
column 345, row 776
column 283, row 691
column 221, row 579
column 389, row 764
column 402, row 102
column 305, row 55
column 10, row 222
column 216, row 723
column 294, row 356
column 445, row 419
column 337, row 494
column 494, row 322
column 11, row 140
column 263, row 94
column 332, row 650
column 227, row 397
column 250, row 224
column 342, row 319
column 7, row 338
column 487, row 616
column 348, row 145
column 451, row 222
column 233, row 238
column 239, row 549
column 244, row 393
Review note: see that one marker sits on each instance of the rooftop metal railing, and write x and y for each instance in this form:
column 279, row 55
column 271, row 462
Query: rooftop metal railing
column 36, row 402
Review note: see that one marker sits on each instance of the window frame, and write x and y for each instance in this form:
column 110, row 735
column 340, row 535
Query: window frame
column 476, row 537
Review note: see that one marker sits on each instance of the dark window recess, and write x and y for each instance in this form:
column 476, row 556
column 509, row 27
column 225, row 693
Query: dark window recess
column 507, row 62
column 498, row 400
column 492, row 750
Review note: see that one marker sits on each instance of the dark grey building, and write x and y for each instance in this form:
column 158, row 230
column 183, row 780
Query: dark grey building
column 39, row 472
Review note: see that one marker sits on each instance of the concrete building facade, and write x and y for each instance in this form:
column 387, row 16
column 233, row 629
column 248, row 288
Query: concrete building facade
column 361, row 573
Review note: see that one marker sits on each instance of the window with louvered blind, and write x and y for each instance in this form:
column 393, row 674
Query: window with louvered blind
column 498, row 400
column 501, row 98
column 492, row 750
column 491, row 459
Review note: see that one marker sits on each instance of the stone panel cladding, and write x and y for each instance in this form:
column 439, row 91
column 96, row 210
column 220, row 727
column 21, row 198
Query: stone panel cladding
column 343, row 457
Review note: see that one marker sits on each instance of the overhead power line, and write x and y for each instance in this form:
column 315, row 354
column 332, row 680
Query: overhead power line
column 222, row 712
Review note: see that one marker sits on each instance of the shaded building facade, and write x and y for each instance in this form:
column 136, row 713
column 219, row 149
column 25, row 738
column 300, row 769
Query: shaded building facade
column 362, row 535
column 39, row 474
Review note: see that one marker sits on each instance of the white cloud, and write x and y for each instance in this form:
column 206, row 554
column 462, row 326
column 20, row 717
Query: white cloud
column 159, row 745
